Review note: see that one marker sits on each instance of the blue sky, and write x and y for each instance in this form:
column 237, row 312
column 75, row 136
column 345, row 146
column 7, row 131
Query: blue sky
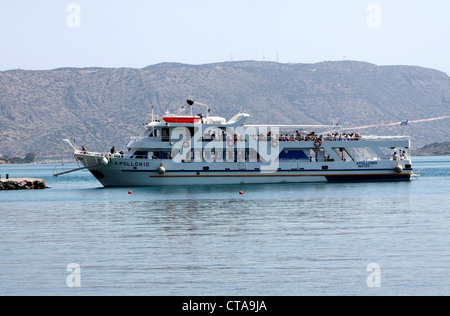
column 48, row 34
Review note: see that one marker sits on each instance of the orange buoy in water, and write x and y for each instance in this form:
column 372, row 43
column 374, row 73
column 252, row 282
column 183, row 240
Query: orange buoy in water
column 241, row 193
column 129, row 192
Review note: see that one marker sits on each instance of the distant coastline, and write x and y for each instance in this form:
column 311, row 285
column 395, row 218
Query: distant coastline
column 28, row 159
column 435, row 149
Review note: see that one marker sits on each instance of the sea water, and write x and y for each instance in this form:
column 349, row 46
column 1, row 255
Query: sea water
column 78, row 238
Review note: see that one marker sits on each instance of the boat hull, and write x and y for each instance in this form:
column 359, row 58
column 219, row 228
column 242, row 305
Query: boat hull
column 129, row 173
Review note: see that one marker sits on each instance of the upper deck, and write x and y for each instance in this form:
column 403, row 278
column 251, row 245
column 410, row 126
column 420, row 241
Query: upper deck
column 313, row 142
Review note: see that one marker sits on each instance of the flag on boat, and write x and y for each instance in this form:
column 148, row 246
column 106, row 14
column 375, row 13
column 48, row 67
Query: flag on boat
column 404, row 123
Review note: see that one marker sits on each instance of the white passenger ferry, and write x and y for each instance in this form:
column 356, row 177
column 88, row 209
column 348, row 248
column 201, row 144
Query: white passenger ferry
column 186, row 149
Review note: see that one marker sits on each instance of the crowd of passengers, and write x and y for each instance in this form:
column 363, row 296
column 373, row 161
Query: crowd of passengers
column 311, row 137
column 400, row 156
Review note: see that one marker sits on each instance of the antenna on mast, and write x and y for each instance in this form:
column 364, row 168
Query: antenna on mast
column 191, row 103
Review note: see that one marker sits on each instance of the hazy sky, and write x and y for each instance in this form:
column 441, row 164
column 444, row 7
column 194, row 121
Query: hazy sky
column 47, row 34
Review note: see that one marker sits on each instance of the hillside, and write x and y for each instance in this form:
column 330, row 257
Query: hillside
column 435, row 149
column 104, row 107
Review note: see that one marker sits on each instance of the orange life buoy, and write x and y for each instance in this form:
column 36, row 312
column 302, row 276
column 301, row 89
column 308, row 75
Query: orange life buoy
column 230, row 143
column 318, row 143
column 186, row 144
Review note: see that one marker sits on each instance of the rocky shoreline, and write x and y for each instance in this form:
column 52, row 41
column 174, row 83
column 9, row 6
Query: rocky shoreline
column 23, row 184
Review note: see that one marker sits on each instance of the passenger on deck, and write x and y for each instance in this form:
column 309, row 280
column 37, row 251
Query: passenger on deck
column 262, row 137
column 403, row 156
column 336, row 136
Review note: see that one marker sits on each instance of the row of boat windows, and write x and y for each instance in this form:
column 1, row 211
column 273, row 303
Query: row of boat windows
column 316, row 155
column 293, row 154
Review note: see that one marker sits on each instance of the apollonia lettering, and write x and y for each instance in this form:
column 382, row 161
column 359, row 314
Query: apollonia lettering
column 132, row 164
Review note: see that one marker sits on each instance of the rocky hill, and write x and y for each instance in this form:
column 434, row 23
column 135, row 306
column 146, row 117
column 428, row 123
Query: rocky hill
column 103, row 107
column 435, row 149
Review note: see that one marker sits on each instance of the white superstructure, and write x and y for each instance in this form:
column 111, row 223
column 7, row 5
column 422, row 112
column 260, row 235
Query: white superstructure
column 196, row 150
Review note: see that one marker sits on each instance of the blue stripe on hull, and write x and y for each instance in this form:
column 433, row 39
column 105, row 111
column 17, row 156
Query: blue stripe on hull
column 368, row 178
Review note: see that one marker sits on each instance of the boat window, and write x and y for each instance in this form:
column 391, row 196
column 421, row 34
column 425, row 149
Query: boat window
column 319, row 155
column 165, row 134
column 293, row 154
column 252, row 155
column 363, row 153
column 394, row 153
column 343, row 154
column 155, row 133
column 192, row 132
column 140, row 155
column 197, row 156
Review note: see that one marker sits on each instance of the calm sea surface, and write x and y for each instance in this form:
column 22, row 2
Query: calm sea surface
column 309, row 239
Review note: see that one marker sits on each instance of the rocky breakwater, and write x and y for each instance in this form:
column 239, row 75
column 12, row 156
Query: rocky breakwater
column 22, row 184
